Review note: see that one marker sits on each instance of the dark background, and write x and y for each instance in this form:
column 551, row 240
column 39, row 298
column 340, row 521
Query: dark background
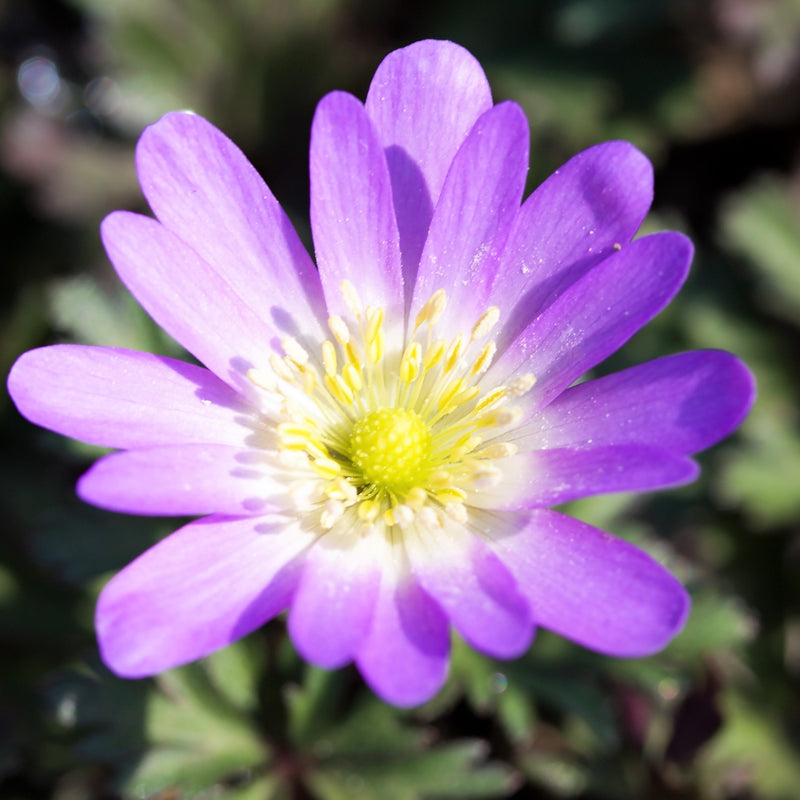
column 710, row 90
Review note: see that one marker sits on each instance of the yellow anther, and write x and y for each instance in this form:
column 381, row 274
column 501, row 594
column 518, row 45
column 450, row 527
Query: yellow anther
column 433, row 355
column 351, row 298
column 338, row 327
column 294, row 351
column 342, row 490
column 352, row 377
column 410, row 362
column 339, row 389
column 432, row 309
column 502, row 450
column 467, row 443
column 351, row 354
column 369, row 510
column 294, row 436
column 494, row 397
column 375, row 316
column 329, row 357
column 450, row 494
column 484, row 359
column 280, row 368
column 456, row 511
column 327, row 467
column 309, row 381
column 487, row 321
column 454, row 354
column 263, row 380
column 521, row 385
column 507, row 416
column 450, row 391
column 375, row 347
column 416, row 497
column 331, row 513
column 485, row 475
column 440, row 479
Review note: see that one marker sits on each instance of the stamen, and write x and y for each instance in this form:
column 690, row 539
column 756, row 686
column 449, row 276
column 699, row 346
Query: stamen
column 482, row 327
column 263, row 380
column 339, row 329
column 502, row 450
column 374, row 334
column 432, row 309
column 329, row 357
column 351, row 298
column 433, row 355
column 457, row 512
column 294, row 351
column 331, row 513
column 521, row 385
column 393, row 431
column 410, row 362
column 484, row 359
column 279, row 368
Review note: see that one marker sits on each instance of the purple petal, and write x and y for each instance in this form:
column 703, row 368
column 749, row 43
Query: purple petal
column 477, row 206
column 121, row 398
column 474, row 589
column 684, row 403
column 543, row 478
column 195, row 304
column 597, row 314
column 332, row 608
column 189, row 479
column 424, row 99
column 574, row 220
column 208, row 584
column 404, row 657
column 590, row 587
column 352, row 216
column 201, row 186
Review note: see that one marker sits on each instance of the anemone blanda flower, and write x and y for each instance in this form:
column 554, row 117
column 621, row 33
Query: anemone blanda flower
column 376, row 441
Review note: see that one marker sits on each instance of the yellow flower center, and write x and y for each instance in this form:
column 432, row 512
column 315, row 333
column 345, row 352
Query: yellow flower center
column 391, row 448
column 379, row 436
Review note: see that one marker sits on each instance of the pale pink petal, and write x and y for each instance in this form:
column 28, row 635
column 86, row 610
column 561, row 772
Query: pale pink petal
column 352, row 216
column 208, row 584
column 596, row 315
column 332, row 608
column 122, row 398
column 404, row 657
column 201, row 186
column 424, row 99
column 591, row 587
column 211, row 317
column 684, row 402
column 543, row 478
column 585, row 210
column 478, row 204
column 474, row 588
column 187, row 479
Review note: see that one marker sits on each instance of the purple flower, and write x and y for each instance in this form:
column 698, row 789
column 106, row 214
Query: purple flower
column 376, row 441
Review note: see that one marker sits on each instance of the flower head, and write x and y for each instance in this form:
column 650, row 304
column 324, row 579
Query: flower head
column 374, row 442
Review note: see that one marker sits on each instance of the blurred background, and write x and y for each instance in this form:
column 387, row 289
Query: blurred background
column 710, row 90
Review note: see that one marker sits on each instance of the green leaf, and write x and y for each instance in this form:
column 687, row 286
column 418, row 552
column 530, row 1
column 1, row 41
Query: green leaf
column 313, row 705
column 752, row 746
column 763, row 224
column 452, row 770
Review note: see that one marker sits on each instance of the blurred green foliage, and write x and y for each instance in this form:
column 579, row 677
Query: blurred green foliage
column 710, row 89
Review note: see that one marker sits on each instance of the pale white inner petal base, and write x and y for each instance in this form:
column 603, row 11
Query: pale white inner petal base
column 384, row 428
